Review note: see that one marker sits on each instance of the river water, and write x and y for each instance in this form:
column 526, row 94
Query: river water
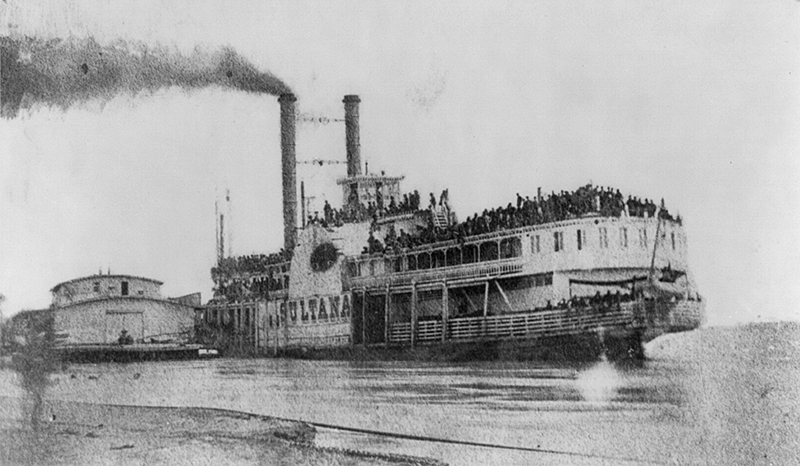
column 712, row 396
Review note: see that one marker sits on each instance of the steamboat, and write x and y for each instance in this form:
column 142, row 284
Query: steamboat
column 569, row 275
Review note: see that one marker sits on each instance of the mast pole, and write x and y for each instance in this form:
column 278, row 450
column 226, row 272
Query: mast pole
column 655, row 244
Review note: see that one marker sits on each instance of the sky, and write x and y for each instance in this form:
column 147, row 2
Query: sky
column 694, row 102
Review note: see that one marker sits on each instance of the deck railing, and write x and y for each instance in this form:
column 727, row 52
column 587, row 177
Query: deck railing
column 536, row 324
column 449, row 273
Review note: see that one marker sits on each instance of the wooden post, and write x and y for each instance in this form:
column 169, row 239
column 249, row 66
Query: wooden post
column 352, row 317
column 277, row 310
column 386, row 316
column 286, row 324
column 503, row 294
column 485, row 305
column 445, row 310
column 413, row 313
column 254, row 328
column 364, row 319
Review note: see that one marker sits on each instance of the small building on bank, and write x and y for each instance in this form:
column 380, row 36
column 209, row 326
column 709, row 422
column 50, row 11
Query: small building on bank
column 100, row 309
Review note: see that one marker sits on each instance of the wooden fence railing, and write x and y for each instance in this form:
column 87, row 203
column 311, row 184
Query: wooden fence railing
column 534, row 324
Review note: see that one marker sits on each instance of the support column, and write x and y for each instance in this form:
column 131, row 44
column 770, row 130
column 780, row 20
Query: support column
column 352, row 317
column 485, row 305
column 364, row 319
column 277, row 310
column 387, row 316
column 286, row 324
column 413, row 314
column 503, row 294
column 254, row 327
column 445, row 310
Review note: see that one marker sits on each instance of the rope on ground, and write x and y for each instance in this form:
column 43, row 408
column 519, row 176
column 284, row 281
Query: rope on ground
column 409, row 436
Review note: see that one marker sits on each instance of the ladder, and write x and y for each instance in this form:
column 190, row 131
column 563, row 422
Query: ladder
column 440, row 217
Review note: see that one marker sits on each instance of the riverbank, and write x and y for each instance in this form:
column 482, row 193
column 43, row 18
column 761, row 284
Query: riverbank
column 88, row 434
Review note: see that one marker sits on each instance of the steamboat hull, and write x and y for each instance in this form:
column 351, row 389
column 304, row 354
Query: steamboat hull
column 574, row 334
column 562, row 276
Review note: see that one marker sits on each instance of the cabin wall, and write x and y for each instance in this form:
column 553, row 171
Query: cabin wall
column 303, row 280
column 103, row 286
column 608, row 243
column 315, row 322
column 101, row 321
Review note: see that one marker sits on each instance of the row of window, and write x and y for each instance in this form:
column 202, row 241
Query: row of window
column 467, row 254
column 123, row 291
column 581, row 241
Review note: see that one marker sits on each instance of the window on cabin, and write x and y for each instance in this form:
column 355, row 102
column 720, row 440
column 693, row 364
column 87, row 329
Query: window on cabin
column 469, row 254
column 398, row 264
column 437, row 259
column 453, row 257
column 96, row 287
column 643, row 237
column 603, row 237
column 489, row 251
column 535, row 246
column 124, row 288
column 623, row 237
column 558, row 241
column 580, row 239
column 412, row 262
column 510, row 247
column 673, row 240
column 424, row 261
column 543, row 279
column 293, row 311
column 303, row 313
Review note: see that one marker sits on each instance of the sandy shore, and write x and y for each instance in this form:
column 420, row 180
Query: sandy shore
column 91, row 434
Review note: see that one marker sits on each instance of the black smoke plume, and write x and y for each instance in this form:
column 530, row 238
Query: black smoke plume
column 63, row 72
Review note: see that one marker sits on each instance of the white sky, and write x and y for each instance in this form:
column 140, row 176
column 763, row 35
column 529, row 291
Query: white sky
column 695, row 102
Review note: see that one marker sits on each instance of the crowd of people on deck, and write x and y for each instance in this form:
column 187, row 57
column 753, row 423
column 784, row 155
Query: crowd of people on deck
column 233, row 276
column 248, row 264
column 599, row 301
column 360, row 212
column 554, row 207
column 244, row 289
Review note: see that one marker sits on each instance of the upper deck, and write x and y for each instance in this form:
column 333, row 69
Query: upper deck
column 583, row 244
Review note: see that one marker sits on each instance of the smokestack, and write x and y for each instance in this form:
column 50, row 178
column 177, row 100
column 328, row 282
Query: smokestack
column 352, row 134
column 288, row 164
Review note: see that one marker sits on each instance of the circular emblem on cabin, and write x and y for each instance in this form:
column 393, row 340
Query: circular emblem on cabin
column 323, row 257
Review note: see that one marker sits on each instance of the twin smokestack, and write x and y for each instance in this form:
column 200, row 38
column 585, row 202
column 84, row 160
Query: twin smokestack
column 289, row 157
